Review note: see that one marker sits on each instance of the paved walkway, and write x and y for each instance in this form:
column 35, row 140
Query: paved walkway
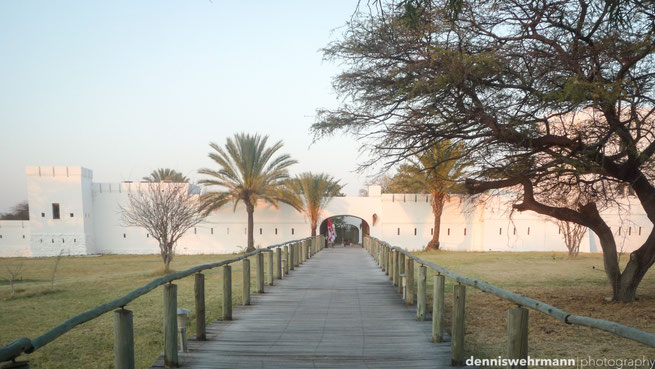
column 337, row 310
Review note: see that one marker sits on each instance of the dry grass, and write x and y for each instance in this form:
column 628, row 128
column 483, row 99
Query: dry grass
column 578, row 286
column 84, row 282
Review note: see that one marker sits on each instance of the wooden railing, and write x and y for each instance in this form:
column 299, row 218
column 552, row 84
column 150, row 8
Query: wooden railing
column 295, row 253
column 392, row 261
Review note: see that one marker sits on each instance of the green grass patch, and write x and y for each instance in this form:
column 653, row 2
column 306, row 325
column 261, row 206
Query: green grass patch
column 81, row 283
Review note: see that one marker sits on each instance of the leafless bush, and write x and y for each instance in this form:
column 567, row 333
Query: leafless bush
column 572, row 233
column 14, row 272
column 166, row 211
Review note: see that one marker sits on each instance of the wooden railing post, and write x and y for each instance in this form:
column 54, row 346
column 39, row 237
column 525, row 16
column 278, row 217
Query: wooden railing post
column 396, row 268
column 170, row 326
column 421, row 298
column 517, row 331
column 312, row 247
column 401, row 271
column 227, row 292
column 409, row 270
column 438, row 308
column 296, row 254
column 386, row 260
column 278, row 263
column 390, row 263
column 269, row 268
column 287, row 258
column 303, row 251
column 379, row 256
column 291, row 260
column 458, row 329
column 245, row 295
column 299, row 255
column 199, row 294
column 123, row 339
column 260, row 273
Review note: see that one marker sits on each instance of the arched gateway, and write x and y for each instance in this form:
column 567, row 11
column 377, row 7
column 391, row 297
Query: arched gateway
column 349, row 228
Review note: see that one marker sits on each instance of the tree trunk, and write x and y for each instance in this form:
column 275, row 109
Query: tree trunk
column 438, row 200
column 314, row 224
column 625, row 288
column 167, row 265
column 166, row 255
column 250, row 209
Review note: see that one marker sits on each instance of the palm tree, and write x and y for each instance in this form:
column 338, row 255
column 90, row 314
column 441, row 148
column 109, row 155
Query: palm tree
column 314, row 191
column 248, row 172
column 166, row 175
column 435, row 171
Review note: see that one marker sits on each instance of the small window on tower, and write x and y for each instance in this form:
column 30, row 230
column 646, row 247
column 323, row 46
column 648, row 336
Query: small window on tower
column 212, row 230
column 414, row 231
column 124, row 235
column 72, row 215
column 275, row 230
column 291, row 230
column 398, row 232
column 260, row 231
column 42, row 215
column 55, row 211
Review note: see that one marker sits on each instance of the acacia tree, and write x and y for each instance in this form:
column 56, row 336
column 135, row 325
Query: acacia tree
column 248, row 171
column 436, row 171
column 314, row 192
column 166, row 211
column 20, row 211
column 551, row 99
column 166, row 175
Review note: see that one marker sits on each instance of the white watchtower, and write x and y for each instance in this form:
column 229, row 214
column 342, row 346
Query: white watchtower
column 61, row 210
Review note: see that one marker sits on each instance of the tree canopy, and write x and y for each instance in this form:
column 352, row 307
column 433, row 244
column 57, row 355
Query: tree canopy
column 166, row 175
column 20, row 211
column 314, row 192
column 248, row 171
column 553, row 99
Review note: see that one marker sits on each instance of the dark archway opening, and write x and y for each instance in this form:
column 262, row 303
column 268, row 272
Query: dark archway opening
column 350, row 230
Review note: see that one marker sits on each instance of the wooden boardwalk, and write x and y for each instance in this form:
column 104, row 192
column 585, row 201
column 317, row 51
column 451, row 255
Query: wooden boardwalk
column 337, row 310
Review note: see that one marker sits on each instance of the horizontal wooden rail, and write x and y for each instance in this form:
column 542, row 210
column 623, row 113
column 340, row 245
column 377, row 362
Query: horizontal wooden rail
column 26, row 345
column 620, row 330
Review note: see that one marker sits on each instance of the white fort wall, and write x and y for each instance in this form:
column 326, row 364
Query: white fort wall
column 90, row 222
column 14, row 238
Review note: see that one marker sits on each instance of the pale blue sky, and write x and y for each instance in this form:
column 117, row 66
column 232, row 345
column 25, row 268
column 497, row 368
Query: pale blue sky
column 123, row 87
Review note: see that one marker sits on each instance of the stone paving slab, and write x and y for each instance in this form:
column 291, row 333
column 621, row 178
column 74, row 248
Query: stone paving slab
column 337, row 310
